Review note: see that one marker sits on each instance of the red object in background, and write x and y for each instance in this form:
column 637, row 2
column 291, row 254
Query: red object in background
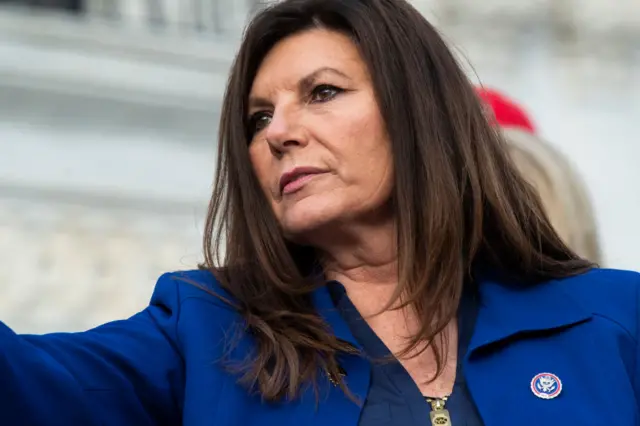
column 507, row 113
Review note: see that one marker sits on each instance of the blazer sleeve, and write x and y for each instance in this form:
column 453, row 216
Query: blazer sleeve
column 126, row 372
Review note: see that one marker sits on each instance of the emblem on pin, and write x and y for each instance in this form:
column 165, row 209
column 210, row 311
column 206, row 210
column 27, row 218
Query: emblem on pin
column 546, row 385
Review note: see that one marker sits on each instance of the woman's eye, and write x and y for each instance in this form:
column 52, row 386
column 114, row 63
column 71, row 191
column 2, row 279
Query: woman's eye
column 324, row 93
column 258, row 122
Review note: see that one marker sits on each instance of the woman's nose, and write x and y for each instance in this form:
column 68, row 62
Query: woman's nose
column 285, row 131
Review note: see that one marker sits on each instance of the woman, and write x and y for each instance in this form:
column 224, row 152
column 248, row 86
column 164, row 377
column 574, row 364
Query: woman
column 385, row 264
column 561, row 188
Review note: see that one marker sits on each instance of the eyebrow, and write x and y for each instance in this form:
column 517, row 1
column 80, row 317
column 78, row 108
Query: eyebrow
column 304, row 83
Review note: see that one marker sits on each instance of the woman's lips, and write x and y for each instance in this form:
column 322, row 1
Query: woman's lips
column 296, row 178
column 298, row 182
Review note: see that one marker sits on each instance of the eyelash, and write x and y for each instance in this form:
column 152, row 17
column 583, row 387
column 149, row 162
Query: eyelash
column 312, row 98
column 320, row 87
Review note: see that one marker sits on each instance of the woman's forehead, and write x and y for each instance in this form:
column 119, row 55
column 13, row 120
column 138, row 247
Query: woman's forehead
column 311, row 53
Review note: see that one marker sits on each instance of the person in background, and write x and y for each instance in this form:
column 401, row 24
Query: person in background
column 563, row 192
column 372, row 257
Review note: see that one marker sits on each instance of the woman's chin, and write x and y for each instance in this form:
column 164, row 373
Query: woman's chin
column 302, row 226
column 297, row 228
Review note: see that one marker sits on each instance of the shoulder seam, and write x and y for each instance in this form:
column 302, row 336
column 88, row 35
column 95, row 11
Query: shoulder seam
column 174, row 343
column 209, row 292
column 631, row 335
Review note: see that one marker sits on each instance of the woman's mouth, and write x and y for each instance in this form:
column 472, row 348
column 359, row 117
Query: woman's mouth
column 295, row 179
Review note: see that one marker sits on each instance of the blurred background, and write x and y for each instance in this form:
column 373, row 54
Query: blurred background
column 108, row 121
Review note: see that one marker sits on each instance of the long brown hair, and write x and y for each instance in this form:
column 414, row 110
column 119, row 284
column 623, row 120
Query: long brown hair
column 459, row 202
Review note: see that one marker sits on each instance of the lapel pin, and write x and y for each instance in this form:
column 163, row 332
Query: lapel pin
column 546, row 385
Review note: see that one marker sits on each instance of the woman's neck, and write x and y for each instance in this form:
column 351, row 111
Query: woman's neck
column 363, row 257
column 369, row 276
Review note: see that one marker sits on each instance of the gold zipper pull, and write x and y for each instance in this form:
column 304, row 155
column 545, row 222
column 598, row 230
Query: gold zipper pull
column 439, row 414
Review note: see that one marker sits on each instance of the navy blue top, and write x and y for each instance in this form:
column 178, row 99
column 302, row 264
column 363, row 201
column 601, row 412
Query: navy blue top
column 394, row 398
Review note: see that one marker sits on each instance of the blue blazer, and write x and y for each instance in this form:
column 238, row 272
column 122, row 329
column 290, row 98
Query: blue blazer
column 159, row 366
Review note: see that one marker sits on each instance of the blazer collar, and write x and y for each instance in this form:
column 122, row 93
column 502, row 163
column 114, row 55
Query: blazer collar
column 508, row 310
column 505, row 310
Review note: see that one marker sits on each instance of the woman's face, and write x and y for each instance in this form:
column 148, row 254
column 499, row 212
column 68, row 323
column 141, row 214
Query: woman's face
column 319, row 148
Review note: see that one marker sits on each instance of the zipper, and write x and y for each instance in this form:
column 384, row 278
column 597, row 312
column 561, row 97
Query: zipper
column 439, row 414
